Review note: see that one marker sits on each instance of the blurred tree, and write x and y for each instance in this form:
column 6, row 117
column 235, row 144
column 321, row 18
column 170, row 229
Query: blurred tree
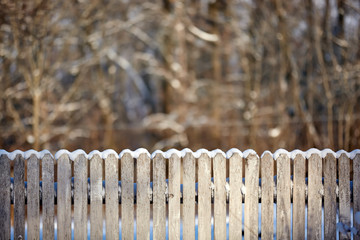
column 161, row 74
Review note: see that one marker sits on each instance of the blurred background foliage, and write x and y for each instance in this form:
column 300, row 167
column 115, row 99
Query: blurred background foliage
column 190, row 73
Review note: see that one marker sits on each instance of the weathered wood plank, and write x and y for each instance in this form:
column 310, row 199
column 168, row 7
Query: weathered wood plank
column 189, row 197
column 33, row 201
column 219, row 163
column 251, row 217
column 299, row 198
column 127, row 197
column 80, row 197
column 143, row 197
column 204, row 197
column 283, row 201
column 330, row 197
column 64, row 198
column 267, row 197
column 344, row 194
column 314, row 197
column 356, row 193
column 235, row 198
column 96, row 210
column 112, row 197
column 174, row 196
column 5, row 217
column 19, row 197
column 159, row 199
column 48, row 197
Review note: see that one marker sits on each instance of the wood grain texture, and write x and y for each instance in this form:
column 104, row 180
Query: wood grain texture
column 19, row 197
column 112, row 197
column 80, row 197
column 251, row 215
column 96, row 200
column 189, row 197
column 204, row 197
column 143, row 197
column 64, row 198
column 344, row 194
column 299, row 198
column 33, row 201
column 48, row 197
column 267, row 197
column 314, row 197
column 159, row 199
column 219, row 163
column 283, row 201
column 174, row 196
column 5, row 217
column 330, row 197
column 235, row 199
column 127, row 197
column 356, row 192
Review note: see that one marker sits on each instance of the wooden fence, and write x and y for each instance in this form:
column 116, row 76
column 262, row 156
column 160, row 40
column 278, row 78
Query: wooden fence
column 180, row 194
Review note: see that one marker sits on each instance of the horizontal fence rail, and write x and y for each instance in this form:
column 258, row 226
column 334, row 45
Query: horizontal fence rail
column 151, row 194
column 220, row 194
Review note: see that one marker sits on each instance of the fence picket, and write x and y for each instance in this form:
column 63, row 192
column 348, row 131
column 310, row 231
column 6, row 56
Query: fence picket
column 204, row 197
column 356, row 194
column 330, row 197
column 283, row 201
column 33, row 201
column 299, row 198
column 19, row 197
column 251, row 220
column 143, row 197
column 112, row 197
column 127, row 196
column 5, row 220
column 267, row 197
column 314, row 197
column 96, row 200
column 48, row 197
column 174, row 196
column 159, row 202
column 64, row 198
column 80, row 197
column 189, row 197
column 235, row 199
column 344, row 194
column 219, row 163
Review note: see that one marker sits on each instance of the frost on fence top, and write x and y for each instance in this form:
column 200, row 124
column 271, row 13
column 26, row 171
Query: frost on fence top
column 180, row 153
column 26, row 154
